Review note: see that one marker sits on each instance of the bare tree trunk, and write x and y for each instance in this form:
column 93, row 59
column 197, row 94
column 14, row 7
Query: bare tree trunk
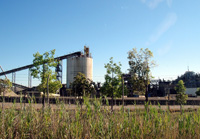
column 24, row 100
column 3, row 100
column 168, row 98
column 181, row 109
column 112, row 94
column 123, row 92
column 48, row 91
column 146, row 93
column 43, row 99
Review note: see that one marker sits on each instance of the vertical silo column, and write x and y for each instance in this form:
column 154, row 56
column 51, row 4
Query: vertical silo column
column 59, row 71
column 13, row 81
column 29, row 78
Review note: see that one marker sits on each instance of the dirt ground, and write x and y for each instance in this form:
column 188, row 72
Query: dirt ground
column 128, row 107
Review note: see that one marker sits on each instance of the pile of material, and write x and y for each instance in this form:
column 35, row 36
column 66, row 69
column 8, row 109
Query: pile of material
column 9, row 93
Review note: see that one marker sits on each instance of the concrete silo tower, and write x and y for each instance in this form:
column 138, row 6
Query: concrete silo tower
column 83, row 64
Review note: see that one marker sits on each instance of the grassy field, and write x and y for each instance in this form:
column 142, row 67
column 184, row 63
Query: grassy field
column 96, row 121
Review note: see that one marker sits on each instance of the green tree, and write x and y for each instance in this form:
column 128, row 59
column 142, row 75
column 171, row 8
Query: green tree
column 54, row 84
column 140, row 64
column 43, row 65
column 198, row 92
column 181, row 97
column 81, row 86
column 113, row 83
column 5, row 85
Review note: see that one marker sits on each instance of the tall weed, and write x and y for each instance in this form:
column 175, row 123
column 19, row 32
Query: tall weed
column 94, row 120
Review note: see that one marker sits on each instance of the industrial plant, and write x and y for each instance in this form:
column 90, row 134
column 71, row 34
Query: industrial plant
column 82, row 63
column 76, row 62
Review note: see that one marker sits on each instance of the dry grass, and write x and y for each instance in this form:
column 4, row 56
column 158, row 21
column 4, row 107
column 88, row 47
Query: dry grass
column 96, row 121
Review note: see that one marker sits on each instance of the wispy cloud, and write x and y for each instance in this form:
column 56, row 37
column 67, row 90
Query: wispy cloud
column 152, row 4
column 165, row 49
column 169, row 3
column 168, row 22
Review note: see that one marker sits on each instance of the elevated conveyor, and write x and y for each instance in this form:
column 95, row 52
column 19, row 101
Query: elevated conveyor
column 31, row 65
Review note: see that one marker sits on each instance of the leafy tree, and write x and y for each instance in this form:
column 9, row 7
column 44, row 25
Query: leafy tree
column 54, row 84
column 42, row 69
column 198, row 92
column 140, row 64
column 181, row 97
column 113, row 82
column 5, row 85
column 81, row 85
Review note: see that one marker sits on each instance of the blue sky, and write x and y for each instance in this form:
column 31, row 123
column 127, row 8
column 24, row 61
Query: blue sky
column 169, row 28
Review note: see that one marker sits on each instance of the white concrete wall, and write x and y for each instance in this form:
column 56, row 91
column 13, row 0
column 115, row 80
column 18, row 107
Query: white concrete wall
column 79, row 64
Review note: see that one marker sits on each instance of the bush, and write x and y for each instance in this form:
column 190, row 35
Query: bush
column 198, row 92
